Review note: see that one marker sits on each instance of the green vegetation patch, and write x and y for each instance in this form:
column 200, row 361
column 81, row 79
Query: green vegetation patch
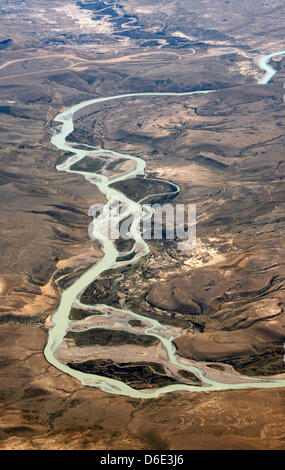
column 190, row 376
column 100, row 292
column 138, row 188
column 135, row 323
column 92, row 165
column 137, row 375
column 80, row 313
column 102, row 337
column 63, row 158
column 216, row 366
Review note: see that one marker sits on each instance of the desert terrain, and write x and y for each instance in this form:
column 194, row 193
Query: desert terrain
column 224, row 299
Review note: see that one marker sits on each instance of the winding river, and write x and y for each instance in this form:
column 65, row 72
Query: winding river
column 264, row 65
column 71, row 295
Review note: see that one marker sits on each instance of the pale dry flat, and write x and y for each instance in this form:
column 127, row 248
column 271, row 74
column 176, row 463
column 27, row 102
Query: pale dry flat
column 226, row 152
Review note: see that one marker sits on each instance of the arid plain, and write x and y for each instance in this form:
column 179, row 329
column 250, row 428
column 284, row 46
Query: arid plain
column 226, row 152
